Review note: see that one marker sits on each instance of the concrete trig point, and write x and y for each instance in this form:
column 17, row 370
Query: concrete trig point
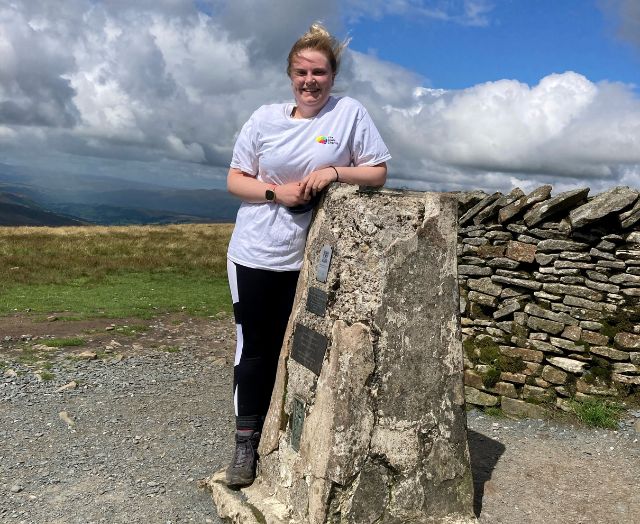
column 367, row 422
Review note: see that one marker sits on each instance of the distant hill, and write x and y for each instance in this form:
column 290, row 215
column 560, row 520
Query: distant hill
column 121, row 216
column 16, row 210
column 112, row 201
column 201, row 204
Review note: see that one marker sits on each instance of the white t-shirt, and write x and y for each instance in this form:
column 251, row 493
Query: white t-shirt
column 276, row 148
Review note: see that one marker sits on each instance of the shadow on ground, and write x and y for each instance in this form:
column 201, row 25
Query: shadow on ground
column 485, row 453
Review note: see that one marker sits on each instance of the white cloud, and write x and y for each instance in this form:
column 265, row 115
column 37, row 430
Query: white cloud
column 164, row 81
column 464, row 12
column 563, row 127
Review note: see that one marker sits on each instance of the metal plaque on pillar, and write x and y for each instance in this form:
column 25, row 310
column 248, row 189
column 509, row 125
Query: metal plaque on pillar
column 323, row 263
column 297, row 422
column 317, row 301
column 309, row 348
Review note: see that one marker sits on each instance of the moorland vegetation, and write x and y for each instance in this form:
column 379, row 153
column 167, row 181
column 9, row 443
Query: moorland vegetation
column 127, row 271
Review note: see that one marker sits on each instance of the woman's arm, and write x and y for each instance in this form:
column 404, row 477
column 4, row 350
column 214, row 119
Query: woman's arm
column 252, row 190
column 362, row 175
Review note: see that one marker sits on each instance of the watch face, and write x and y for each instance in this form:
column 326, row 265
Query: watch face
column 270, row 195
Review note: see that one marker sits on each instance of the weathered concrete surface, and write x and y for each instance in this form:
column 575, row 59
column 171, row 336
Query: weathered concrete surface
column 384, row 433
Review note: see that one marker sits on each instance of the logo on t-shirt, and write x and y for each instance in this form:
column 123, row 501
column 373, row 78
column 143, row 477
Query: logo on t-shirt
column 326, row 140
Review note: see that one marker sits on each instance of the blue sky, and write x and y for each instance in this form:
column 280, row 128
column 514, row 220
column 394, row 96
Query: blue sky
column 467, row 94
column 522, row 39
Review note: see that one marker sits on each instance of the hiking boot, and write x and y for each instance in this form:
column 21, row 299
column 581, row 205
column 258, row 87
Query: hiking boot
column 242, row 470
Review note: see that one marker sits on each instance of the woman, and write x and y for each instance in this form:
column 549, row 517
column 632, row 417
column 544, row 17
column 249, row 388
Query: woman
column 285, row 155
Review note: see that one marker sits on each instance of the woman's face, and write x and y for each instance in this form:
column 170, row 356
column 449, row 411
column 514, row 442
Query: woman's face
column 312, row 80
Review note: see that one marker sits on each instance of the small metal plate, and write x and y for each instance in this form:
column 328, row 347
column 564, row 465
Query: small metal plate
column 317, row 301
column 297, row 422
column 323, row 263
column 309, row 348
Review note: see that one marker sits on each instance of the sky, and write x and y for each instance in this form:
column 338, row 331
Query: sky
column 467, row 94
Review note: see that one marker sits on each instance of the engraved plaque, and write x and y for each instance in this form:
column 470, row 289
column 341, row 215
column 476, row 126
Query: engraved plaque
column 323, row 263
column 317, row 301
column 297, row 421
column 309, row 348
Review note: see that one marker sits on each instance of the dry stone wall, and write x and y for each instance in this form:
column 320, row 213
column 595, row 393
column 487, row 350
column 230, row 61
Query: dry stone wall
column 549, row 297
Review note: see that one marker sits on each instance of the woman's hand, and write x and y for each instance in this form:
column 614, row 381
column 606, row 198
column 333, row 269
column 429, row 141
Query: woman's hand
column 291, row 194
column 316, row 181
column 246, row 187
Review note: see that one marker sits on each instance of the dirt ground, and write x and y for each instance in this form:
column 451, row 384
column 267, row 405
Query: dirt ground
column 150, row 415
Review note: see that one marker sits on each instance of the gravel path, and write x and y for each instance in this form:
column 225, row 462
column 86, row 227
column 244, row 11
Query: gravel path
column 532, row 471
column 143, row 431
column 130, row 442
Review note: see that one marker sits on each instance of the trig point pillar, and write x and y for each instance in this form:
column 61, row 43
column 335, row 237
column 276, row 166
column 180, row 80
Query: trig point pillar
column 367, row 422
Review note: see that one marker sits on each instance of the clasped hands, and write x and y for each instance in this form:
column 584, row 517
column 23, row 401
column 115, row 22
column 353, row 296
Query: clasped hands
column 297, row 193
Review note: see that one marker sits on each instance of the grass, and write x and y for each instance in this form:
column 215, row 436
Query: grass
column 493, row 411
column 64, row 342
column 491, row 377
column 29, row 356
column 47, row 375
column 114, row 272
column 598, row 413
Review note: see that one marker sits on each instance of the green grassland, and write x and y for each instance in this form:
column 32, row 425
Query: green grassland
column 114, row 271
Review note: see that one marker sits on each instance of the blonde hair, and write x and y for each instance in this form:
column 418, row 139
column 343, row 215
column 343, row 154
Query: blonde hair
column 319, row 39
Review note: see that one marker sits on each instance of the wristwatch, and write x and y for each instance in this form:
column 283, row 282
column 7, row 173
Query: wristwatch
column 270, row 194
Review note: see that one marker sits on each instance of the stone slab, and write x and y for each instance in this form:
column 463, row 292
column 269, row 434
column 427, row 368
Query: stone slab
column 520, row 251
column 503, row 263
column 479, row 398
column 530, row 355
column 604, row 204
column 555, row 205
column 627, row 341
column 553, row 245
column 484, row 285
column 535, row 310
column 554, row 375
column 485, row 202
column 567, row 364
column 507, row 309
column 493, row 209
column 520, row 408
column 541, row 345
column 606, row 351
column 482, row 298
column 631, row 216
column 521, row 204
column 543, row 324
column 518, row 282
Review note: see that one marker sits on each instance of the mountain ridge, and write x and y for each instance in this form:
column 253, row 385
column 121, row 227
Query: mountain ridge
column 16, row 210
column 107, row 201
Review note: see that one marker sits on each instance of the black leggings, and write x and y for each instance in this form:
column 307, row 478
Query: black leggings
column 262, row 302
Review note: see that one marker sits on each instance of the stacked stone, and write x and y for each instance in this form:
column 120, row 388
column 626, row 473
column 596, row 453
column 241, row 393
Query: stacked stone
column 549, row 293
